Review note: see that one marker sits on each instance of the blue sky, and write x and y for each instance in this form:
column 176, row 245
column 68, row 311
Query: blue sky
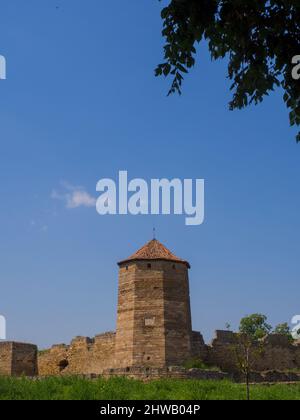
column 81, row 103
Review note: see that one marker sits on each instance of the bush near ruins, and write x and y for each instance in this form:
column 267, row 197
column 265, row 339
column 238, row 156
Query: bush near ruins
column 196, row 363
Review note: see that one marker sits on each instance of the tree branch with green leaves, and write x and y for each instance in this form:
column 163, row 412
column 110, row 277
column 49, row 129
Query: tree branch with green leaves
column 259, row 38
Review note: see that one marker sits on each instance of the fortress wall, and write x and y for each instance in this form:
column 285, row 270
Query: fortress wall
column 24, row 359
column 5, row 358
column 84, row 356
column 277, row 353
column 173, row 372
column 52, row 361
column 177, row 372
column 88, row 356
column 18, row 359
column 79, row 355
column 104, row 351
column 199, row 349
column 220, row 352
column 92, row 356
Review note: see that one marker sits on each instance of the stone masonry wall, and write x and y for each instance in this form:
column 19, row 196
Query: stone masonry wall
column 199, row 349
column 53, row 361
column 83, row 356
column 177, row 372
column 24, row 359
column 174, row 372
column 125, row 316
column 277, row 353
column 5, row 358
column 18, row 359
column 86, row 356
column 177, row 314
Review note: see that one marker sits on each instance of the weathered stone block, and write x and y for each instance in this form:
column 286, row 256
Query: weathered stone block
column 18, row 359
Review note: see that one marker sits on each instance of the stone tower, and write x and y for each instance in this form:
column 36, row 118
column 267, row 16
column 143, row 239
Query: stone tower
column 154, row 318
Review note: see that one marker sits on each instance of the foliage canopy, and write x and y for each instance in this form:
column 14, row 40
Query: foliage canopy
column 258, row 37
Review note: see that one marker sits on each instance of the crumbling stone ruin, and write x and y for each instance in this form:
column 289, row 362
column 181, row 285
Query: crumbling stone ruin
column 277, row 353
column 154, row 335
column 83, row 356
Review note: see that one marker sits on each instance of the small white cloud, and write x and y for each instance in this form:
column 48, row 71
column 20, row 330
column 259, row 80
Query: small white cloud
column 80, row 198
column 74, row 197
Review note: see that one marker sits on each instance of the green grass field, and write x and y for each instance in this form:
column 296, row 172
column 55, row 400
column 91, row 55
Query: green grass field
column 75, row 388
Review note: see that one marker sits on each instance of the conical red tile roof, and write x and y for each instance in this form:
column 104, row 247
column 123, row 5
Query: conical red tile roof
column 154, row 250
